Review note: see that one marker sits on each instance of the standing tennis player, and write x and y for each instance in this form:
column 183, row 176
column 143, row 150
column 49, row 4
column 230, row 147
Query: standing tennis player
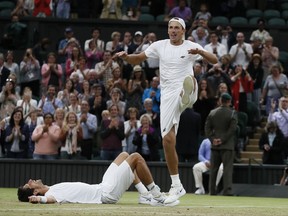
column 178, row 88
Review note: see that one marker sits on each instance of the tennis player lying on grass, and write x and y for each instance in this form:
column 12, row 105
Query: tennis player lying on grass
column 125, row 170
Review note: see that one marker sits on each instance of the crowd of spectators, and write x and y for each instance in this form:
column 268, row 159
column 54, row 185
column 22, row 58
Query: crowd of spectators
column 79, row 102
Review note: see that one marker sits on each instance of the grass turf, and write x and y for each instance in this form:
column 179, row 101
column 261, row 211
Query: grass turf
column 190, row 204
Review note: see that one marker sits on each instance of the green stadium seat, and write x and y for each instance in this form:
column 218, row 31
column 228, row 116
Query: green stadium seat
column 219, row 20
column 276, row 22
column 145, row 9
column 254, row 20
column 160, row 17
column 238, row 21
column 7, row 5
column 284, row 6
column 253, row 13
column 146, row 17
column 271, row 13
column 283, row 57
column 284, row 14
column 5, row 13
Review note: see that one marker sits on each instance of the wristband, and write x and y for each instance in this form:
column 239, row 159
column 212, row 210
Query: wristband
column 43, row 199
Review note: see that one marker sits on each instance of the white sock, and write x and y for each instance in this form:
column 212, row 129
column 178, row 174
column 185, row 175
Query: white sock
column 175, row 179
column 150, row 186
column 141, row 188
column 154, row 189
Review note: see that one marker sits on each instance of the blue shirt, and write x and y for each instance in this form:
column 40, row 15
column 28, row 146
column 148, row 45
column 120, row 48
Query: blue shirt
column 89, row 127
column 204, row 152
column 155, row 99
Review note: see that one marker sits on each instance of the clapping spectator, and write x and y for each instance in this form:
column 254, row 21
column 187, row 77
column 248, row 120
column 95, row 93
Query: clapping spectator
column 147, row 139
column 16, row 136
column 112, row 134
column 241, row 52
column 23, row 8
column 8, row 99
column 11, row 64
column 115, row 41
column 116, row 81
column 130, row 128
column 71, row 133
column 49, row 103
column 42, row 8
column 111, row 9
column 27, row 102
column 154, row 93
column 88, row 122
column 116, row 96
column 63, row 95
column 51, row 72
column 46, row 138
column 136, row 86
column 270, row 55
column 72, row 63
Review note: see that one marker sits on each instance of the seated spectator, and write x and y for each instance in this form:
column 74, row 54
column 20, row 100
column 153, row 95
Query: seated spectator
column 71, row 133
column 46, row 138
column 271, row 143
column 112, row 134
column 15, row 34
column 16, row 136
column 147, row 140
column 203, row 166
column 112, row 10
column 181, row 11
column 42, row 8
column 148, row 109
column 201, row 37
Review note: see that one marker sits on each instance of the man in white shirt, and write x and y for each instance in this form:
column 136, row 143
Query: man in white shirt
column 116, row 180
column 241, row 52
column 215, row 47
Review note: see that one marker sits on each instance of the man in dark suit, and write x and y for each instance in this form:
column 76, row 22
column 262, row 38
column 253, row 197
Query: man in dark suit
column 188, row 136
column 4, row 72
column 220, row 128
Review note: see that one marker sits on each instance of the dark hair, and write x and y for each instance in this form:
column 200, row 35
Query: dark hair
column 24, row 193
column 48, row 114
column 11, row 121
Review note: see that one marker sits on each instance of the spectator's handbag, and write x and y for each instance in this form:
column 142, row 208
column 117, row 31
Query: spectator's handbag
column 30, row 75
column 283, row 90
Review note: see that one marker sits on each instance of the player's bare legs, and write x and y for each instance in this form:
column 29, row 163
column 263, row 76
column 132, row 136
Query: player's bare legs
column 138, row 165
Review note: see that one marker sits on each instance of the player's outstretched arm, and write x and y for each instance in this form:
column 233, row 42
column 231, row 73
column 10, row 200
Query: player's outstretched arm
column 133, row 59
